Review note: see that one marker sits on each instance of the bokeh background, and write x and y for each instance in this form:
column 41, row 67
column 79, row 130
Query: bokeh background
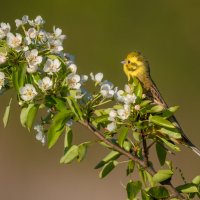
column 100, row 34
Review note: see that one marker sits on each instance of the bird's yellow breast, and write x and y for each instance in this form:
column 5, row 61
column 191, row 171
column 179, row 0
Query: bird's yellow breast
column 138, row 72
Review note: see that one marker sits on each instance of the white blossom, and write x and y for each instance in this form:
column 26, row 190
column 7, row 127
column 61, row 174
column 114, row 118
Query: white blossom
column 23, row 21
column 58, row 33
column 40, row 134
column 33, row 60
column 112, row 115
column 70, row 122
column 84, row 78
column 127, row 89
column 38, row 128
column 126, row 97
column 18, row 23
column 55, row 46
column 106, row 90
column 52, row 66
column 27, row 41
column 119, row 95
column 42, row 36
column 14, row 41
column 2, row 58
column 73, row 81
column 111, row 127
column 124, row 113
column 143, row 96
column 32, row 33
column 4, row 30
column 129, row 98
column 28, row 92
column 70, row 58
column 37, row 21
column 72, row 67
column 137, row 107
column 45, row 84
column 97, row 77
column 2, row 79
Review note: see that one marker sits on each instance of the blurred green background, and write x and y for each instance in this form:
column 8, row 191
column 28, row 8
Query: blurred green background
column 100, row 34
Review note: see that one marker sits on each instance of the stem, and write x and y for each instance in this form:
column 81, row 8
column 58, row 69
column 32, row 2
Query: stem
column 145, row 150
column 167, row 184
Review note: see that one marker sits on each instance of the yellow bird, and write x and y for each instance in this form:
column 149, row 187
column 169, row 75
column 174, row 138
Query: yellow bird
column 135, row 65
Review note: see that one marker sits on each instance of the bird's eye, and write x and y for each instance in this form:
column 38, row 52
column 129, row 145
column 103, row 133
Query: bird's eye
column 129, row 61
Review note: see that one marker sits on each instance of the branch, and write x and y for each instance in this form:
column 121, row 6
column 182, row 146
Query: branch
column 167, row 184
column 145, row 150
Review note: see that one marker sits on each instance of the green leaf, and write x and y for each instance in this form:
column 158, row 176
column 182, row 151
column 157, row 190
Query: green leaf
column 156, row 109
column 127, row 145
column 162, row 175
column 21, row 74
column 52, row 57
column 145, row 103
column 130, row 167
column 31, row 116
column 24, row 114
column 169, row 144
column 15, row 79
column 74, row 107
column 133, row 188
column 59, row 103
column 122, row 136
column 169, row 164
column 150, row 178
column 82, row 150
column 7, row 114
column 138, row 90
column 68, row 137
column 52, row 101
column 170, row 111
column 3, row 50
column 196, row 180
column 137, row 136
column 171, row 132
column 142, row 174
column 70, row 155
column 58, row 126
column 173, row 109
column 161, row 153
column 145, row 195
column 187, row 188
column 101, row 119
column 113, row 155
column 158, row 192
column 161, row 121
column 107, row 168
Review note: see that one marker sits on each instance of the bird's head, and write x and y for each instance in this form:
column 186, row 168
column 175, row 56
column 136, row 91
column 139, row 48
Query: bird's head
column 135, row 65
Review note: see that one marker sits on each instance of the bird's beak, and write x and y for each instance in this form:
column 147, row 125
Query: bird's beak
column 123, row 62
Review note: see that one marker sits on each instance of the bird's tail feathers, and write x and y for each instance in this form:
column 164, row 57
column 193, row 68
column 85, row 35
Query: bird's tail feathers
column 195, row 150
column 189, row 144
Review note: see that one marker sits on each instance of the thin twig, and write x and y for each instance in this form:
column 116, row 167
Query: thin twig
column 151, row 145
column 145, row 150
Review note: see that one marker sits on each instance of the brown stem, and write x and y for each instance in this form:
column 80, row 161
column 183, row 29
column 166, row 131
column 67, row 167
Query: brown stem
column 167, row 184
column 145, row 150
column 151, row 145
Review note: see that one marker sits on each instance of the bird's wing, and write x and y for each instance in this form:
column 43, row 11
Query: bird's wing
column 157, row 97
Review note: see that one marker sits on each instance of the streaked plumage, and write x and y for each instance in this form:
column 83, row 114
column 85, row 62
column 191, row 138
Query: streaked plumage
column 135, row 65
